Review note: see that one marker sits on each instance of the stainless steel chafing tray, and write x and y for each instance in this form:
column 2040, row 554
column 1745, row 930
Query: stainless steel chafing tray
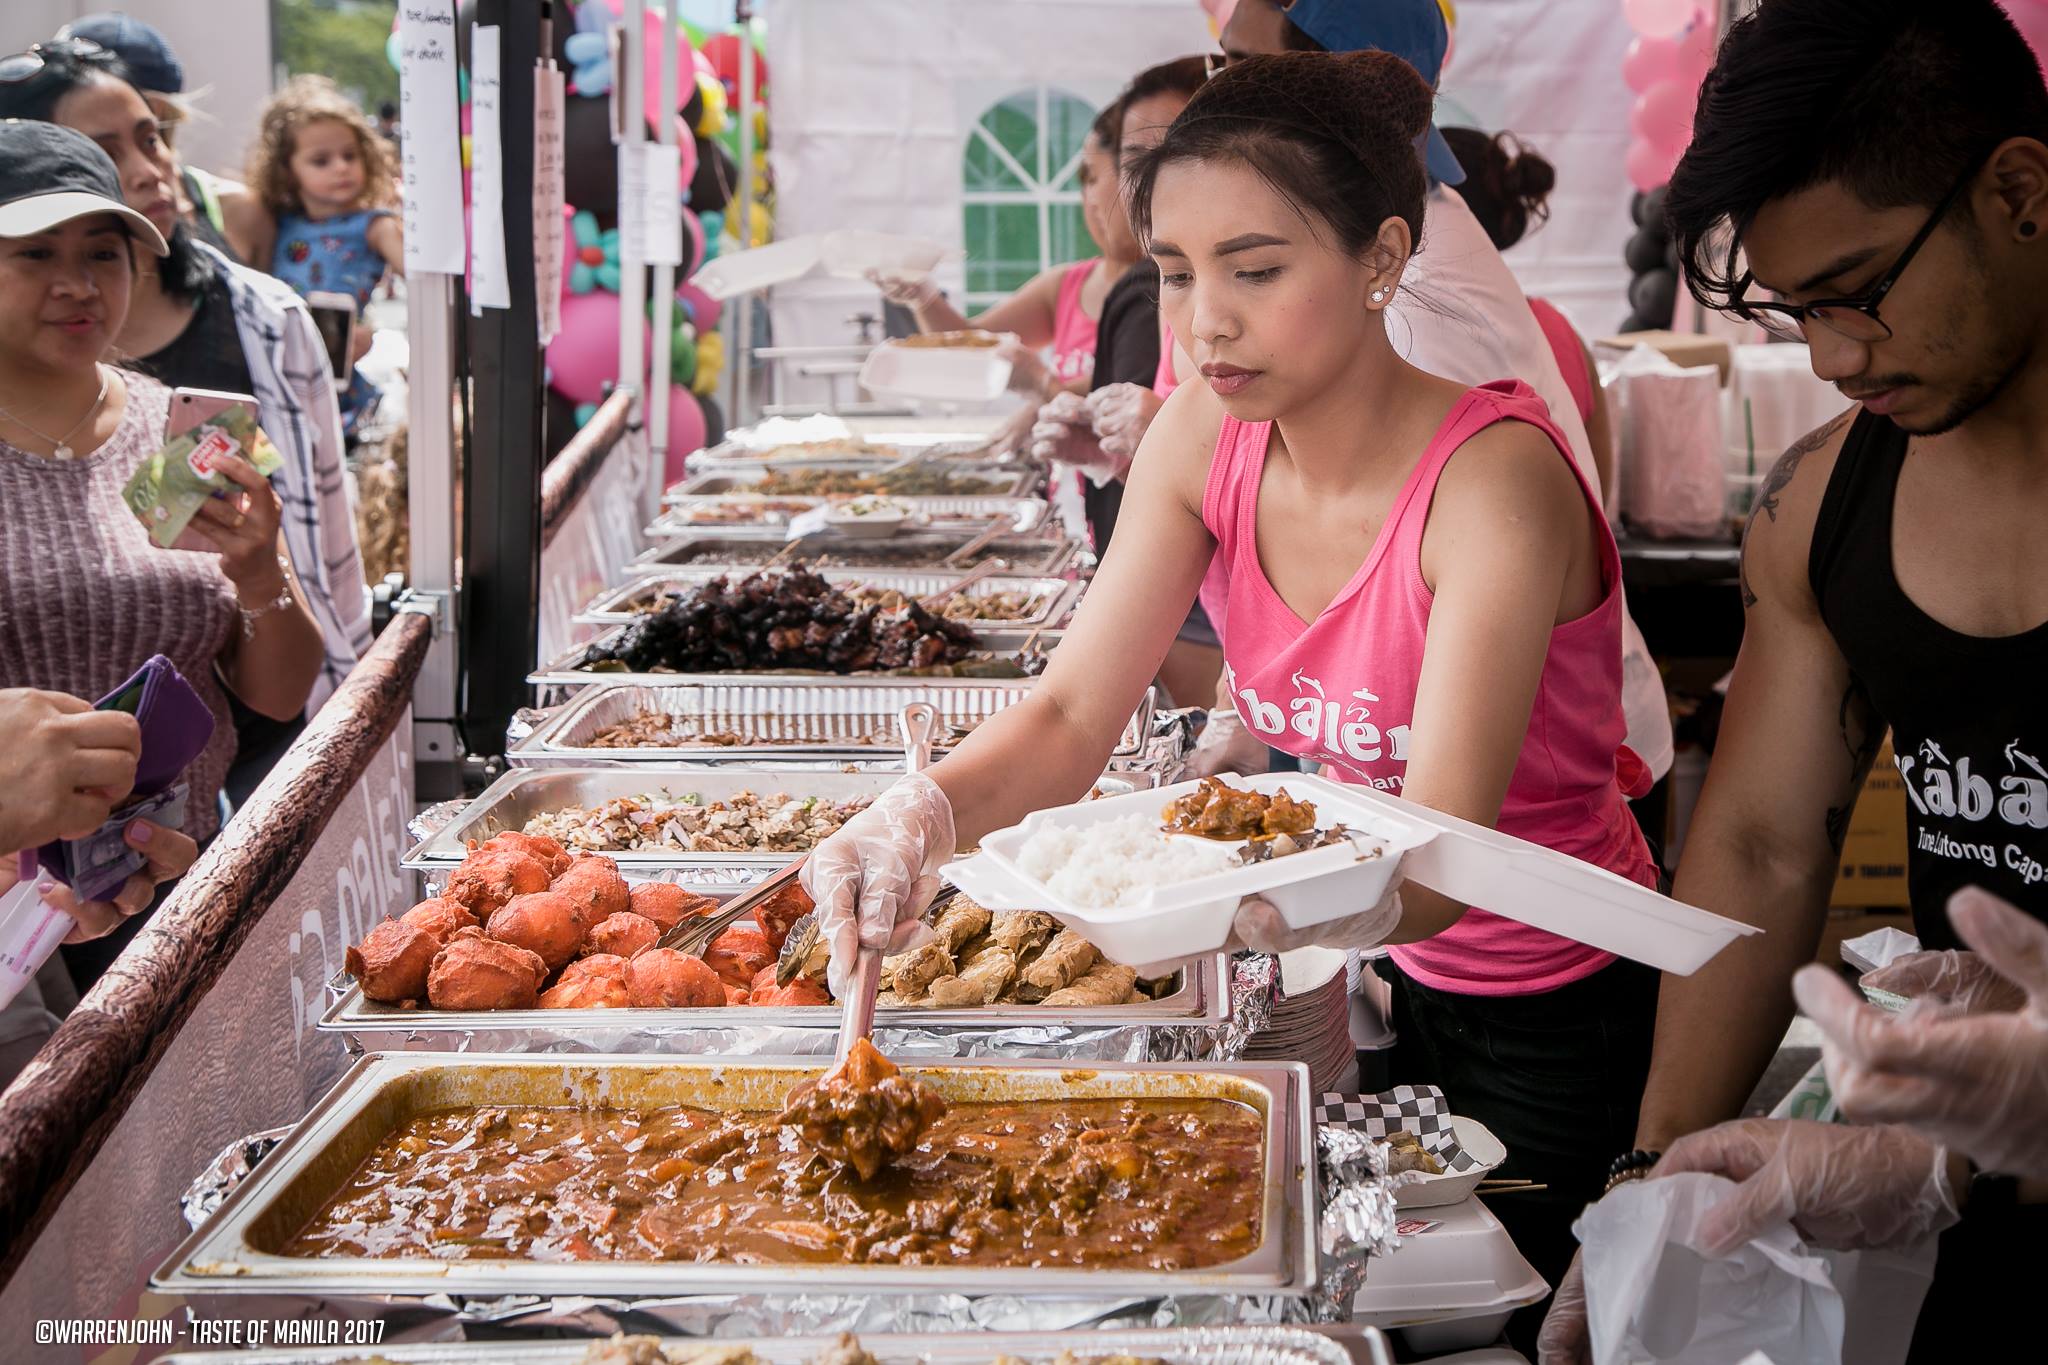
column 1037, row 554
column 1264, row 1345
column 962, row 513
column 1052, row 598
column 1197, row 995
column 855, row 718
column 522, row 793
column 236, row 1250
column 997, row 642
column 1004, row 481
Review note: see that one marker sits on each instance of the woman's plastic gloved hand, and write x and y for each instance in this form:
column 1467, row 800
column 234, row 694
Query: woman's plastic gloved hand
column 1975, row 1082
column 1121, row 414
column 911, row 289
column 1961, row 981
column 872, row 880
column 1259, row 927
column 1226, row 746
column 1062, row 435
column 1844, row 1187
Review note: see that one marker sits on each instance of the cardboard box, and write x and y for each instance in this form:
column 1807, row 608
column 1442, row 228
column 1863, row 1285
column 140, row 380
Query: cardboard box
column 1686, row 349
column 1873, row 871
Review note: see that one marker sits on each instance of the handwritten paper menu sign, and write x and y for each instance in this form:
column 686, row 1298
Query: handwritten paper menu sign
column 431, row 154
column 489, row 285
column 548, row 95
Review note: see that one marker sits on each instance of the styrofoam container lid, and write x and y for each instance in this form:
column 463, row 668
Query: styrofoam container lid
column 849, row 253
column 1465, row 1267
column 1467, row 862
column 949, row 374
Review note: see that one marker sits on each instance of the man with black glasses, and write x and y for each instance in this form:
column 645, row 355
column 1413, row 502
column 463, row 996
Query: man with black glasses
column 1871, row 176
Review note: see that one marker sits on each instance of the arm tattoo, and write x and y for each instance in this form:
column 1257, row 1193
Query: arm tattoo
column 1774, row 484
column 1863, row 732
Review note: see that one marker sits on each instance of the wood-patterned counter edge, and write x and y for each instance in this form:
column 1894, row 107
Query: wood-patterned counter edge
column 569, row 473
column 58, row 1112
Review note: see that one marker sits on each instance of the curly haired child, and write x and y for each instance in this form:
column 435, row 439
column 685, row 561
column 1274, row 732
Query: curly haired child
column 321, row 169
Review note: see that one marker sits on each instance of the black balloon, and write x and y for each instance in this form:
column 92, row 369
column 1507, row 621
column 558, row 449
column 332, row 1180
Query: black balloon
column 1635, row 207
column 590, row 164
column 717, row 179
column 1645, row 251
column 714, row 420
column 1653, row 295
column 693, row 107
column 1653, row 208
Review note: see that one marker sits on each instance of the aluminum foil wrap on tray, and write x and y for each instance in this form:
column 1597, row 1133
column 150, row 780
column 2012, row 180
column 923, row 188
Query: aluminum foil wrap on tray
column 1241, row 1345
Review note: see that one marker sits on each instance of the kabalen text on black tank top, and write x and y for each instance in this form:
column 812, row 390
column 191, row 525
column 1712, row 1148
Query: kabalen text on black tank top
column 1969, row 727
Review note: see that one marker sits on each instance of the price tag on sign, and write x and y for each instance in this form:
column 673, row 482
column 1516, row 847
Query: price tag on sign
column 489, row 285
column 549, row 89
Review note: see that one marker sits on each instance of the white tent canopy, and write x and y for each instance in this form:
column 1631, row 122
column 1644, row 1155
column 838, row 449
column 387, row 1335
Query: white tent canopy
column 873, row 104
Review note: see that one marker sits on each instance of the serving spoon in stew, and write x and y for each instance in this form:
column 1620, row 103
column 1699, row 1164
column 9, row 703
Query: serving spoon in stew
column 865, row 1109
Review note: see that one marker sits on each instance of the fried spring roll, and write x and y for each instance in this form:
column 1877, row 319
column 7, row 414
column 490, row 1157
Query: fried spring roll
column 1106, row 983
column 959, row 921
column 984, row 976
column 1022, row 933
column 1065, row 960
column 909, row 973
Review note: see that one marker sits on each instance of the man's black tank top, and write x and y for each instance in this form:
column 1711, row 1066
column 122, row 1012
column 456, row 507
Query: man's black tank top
column 1969, row 715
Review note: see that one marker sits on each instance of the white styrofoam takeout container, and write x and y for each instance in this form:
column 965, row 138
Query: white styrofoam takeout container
column 1451, row 1288
column 846, row 253
column 949, row 374
column 1470, row 863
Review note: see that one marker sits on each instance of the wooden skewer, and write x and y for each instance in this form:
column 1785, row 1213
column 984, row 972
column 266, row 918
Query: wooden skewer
column 784, row 553
column 933, row 601
column 1512, row 1189
column 996, row 526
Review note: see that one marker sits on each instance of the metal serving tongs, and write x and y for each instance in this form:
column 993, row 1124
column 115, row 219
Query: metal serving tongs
column 693, row 936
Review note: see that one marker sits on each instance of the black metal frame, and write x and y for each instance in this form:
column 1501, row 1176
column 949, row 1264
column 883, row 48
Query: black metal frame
column 503, row 453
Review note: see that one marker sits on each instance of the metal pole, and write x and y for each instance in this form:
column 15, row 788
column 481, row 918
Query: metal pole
column 743, row 339
column 658, row 384
column 632, row 266
column 501, row 480
column 430, row 499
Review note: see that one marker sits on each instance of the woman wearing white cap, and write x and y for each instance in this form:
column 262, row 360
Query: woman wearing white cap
column 86, row 595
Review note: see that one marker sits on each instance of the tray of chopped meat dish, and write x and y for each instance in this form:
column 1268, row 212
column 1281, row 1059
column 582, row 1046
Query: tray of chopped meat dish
column 750, row 722
column 1007, row 601
column 739, row 547
column 446, row 1174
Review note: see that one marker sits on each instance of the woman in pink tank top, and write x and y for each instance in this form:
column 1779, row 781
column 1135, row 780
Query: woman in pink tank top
column 1422, row 596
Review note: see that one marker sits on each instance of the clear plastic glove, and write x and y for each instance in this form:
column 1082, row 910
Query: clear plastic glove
column 1844, row 1188
column 1029, row 374
column 1259, row 927
column 912, row 289
column 1120, row 414
column 1062, row 435
column 1564, row 1339
column 1225, row 746
column 1975, row 1082
column 1961, row 982
column 872, row 880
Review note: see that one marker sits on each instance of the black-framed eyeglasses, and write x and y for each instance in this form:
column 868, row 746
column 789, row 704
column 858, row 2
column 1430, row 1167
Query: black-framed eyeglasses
column 27, row 65
column 1857, row 318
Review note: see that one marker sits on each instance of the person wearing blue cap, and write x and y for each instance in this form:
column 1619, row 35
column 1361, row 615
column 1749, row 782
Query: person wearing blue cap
column 220, row 210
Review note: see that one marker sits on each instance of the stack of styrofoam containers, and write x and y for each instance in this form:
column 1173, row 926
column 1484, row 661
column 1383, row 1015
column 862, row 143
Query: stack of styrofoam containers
column 1773, row 398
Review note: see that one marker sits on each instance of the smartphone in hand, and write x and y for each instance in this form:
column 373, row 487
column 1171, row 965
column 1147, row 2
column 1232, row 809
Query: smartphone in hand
column 335, row 316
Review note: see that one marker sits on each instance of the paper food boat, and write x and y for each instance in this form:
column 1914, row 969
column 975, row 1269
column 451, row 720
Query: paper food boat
column 1470, row 863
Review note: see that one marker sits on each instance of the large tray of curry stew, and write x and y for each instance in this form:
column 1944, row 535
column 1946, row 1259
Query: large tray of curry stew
column 439, row 1173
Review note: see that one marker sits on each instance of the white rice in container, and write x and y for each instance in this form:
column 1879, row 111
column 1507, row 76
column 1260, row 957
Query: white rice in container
column 1114, row 863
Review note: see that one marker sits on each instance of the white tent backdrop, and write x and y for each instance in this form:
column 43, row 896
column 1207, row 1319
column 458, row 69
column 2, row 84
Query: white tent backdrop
column 872, row 104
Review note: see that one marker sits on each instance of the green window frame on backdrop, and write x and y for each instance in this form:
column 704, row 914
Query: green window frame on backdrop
column 1021, row 191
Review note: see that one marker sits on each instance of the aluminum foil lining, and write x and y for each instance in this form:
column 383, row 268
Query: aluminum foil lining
column 1357, row 1217
column 1232, row 1345
column 236, row 1160
column 1164, row 753
column 431, row 820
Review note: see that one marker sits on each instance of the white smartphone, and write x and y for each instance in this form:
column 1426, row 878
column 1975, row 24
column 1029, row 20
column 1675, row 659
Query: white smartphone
column 335, row 316
column 190, row 407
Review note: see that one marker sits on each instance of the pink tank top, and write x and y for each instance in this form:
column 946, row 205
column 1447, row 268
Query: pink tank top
column 1164, row 380
column 1341, row 690
column 1073, row 331
column 1571, row 356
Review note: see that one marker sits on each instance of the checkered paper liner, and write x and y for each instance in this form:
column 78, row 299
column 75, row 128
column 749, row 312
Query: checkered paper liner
column 1419, row 1109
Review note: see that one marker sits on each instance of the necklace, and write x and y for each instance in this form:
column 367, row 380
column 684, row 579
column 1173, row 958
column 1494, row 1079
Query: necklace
column 62, row 443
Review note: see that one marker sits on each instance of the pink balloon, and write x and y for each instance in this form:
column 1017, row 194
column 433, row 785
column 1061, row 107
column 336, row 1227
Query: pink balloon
column 584, row 356
column 1696, row 51
column 685, row 431
column 706, row 309
column 1648, row 61
column 685, row 66
column 2030, row 17
column 1662, row 116
column 1647, row 166
column 1658, row 18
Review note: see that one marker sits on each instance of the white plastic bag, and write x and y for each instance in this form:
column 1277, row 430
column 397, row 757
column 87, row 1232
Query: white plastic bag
column 1650, row 1297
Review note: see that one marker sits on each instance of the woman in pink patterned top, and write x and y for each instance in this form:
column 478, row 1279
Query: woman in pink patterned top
column 85, row 595
column 1423, row 597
